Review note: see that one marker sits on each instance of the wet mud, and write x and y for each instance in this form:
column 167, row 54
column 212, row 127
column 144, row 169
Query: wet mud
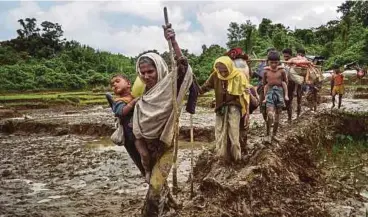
column 283, row 179
column 61, row 162
column 70, row 176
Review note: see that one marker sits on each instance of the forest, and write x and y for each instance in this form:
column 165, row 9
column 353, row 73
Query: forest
column 40, row 58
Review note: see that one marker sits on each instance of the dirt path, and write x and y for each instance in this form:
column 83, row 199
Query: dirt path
column 55, row 163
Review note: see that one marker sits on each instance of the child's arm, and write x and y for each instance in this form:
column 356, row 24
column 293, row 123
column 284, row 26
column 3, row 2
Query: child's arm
column 129, row 107
column 122, row 109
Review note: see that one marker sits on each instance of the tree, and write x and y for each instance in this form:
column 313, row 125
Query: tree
column 360, row 10
column 247, row 30
column 234, row 35
column 29, row 28
column 265, row 28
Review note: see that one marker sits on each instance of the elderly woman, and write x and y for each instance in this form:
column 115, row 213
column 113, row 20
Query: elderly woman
column 153, row 119
column 232, row 101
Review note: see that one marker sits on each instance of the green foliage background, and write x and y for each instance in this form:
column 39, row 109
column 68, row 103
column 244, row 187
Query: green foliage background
column 41, row 59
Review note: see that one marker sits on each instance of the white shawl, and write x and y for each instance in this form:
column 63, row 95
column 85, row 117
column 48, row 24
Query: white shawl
column 153, row 114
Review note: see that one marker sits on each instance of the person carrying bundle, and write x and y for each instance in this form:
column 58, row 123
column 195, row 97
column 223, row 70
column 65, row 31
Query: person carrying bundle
column 294, row 89
column 301, row 68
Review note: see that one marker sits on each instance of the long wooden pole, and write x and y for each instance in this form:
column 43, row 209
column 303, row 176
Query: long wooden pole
column 175, row 107
column 191, row 158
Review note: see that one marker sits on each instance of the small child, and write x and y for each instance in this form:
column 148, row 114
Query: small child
column 123, row 107
column 123, row 104
column 338, row 85
column 274, row 61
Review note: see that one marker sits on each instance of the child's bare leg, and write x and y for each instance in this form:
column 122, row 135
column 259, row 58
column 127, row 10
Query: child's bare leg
column 145, row 157
column 284, row 86
column 265, row 92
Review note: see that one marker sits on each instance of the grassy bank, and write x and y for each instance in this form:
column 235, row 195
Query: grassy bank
column 80, row 98
column 49, row 99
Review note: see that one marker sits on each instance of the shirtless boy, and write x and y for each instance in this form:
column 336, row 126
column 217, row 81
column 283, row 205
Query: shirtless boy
column 274, row 77
column 338, row 85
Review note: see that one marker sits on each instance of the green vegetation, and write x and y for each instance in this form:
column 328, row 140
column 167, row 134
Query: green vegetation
column 41, row 59
column 346, row 161
column 44, row 100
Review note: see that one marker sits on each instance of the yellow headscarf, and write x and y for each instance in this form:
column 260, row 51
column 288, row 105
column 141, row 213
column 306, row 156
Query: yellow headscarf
column 237, row 81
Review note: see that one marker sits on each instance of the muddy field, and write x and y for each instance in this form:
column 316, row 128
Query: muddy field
column 60, row 162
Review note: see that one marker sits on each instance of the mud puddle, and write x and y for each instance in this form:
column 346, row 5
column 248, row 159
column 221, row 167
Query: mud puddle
column 70, row 176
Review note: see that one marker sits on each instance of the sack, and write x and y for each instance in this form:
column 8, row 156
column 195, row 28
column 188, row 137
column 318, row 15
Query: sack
column 118, row 136
column 295, row 77
column 315, row 74
column 301, row 71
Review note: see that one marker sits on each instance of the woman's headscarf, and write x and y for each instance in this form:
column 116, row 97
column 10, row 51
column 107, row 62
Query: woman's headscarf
column 160, row 64
column 237, row 53
column 237, row 81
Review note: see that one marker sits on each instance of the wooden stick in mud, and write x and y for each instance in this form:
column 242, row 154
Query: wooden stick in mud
column 175, row 107
column 191, row 158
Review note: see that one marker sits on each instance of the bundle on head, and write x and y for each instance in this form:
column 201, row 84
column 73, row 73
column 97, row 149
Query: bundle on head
column 237, row 53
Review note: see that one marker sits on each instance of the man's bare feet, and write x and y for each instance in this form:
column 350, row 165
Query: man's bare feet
column 286, row 98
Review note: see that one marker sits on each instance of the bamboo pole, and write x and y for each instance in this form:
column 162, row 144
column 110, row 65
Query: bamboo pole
column 191, row 158
column 175, row 107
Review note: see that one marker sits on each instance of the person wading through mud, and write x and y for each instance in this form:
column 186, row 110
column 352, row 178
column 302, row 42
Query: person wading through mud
column 310, row 86
column 293, row 87
column 274, row 75
column 232, row 100
column 260, row 73
column 338, row 85
column 123, row 106
column 300, row 61
column 153, row 119
column 240, row 60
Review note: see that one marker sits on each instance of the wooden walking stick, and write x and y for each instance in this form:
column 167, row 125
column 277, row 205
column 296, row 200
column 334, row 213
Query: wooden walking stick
column 175, row 107
column 191, row 158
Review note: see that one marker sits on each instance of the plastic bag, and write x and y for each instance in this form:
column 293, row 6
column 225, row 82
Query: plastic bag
column 118, row 136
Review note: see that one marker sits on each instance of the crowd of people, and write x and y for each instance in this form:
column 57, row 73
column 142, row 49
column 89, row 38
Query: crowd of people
column 147, row 117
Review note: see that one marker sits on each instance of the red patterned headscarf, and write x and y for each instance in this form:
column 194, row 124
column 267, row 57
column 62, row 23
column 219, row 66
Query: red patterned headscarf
column 237, row 53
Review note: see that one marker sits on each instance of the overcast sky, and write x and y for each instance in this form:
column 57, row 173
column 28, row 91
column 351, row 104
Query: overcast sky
column 130, row 27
